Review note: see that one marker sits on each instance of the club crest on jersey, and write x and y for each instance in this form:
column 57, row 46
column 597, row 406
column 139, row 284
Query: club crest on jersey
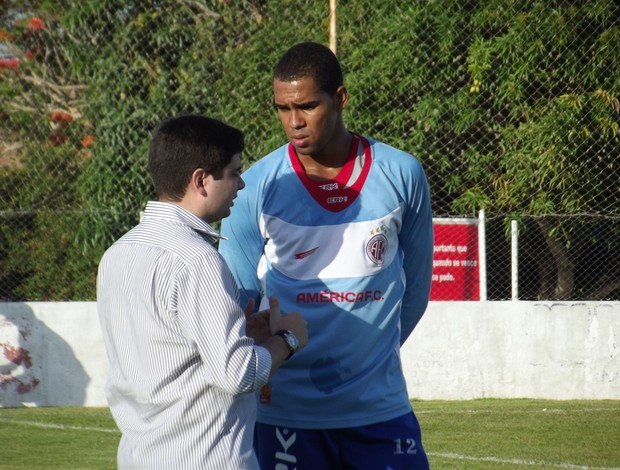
column 376, row 248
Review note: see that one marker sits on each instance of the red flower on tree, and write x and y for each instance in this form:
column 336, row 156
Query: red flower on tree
column 35, row 24
column 88, row 141
column 58, row 137
column 9, row 63
column 61, row 118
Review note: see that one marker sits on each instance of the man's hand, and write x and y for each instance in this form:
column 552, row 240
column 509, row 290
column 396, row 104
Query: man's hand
column 293, row 322
column 263, row 324
column 257, row 324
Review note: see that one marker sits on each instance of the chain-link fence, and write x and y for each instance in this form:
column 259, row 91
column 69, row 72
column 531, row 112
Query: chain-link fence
column 511, row 105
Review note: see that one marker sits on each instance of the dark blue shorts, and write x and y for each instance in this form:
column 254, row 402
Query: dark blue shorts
column 390, row 445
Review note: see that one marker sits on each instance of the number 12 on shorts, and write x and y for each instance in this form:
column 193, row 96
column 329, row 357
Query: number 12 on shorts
column 405, row 446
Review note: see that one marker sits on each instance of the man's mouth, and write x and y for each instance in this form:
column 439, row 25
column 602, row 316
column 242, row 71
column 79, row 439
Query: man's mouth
column 299, row 141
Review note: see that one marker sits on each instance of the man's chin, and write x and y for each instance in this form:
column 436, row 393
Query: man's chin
column 302, row 149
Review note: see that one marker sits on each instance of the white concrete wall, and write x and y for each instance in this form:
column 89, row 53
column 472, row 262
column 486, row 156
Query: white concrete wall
column 52, row 354
column 463, row 350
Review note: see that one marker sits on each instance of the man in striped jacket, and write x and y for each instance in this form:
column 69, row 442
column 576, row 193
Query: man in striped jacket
column 184, row 359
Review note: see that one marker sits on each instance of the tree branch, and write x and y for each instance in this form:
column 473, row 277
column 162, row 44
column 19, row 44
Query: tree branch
column 199, row 6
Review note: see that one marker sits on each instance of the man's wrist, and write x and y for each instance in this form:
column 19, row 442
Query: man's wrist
column 291, row 341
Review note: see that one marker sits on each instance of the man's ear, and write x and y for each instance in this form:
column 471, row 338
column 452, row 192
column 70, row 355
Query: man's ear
column 341, row 97
column 197, row 181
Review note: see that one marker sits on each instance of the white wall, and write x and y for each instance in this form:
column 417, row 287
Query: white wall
column 463, row 350
column 52, row 353
column 57, row 353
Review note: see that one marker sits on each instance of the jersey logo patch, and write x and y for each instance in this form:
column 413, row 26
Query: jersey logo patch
column 376, row 247
column 305, row 254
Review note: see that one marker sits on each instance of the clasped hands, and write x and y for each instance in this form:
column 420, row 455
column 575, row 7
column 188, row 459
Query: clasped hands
column 263, row 324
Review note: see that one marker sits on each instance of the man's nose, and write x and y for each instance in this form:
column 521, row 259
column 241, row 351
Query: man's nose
column 297, row 120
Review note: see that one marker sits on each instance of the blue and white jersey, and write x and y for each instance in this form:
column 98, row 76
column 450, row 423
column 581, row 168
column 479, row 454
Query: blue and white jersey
column 354, row 256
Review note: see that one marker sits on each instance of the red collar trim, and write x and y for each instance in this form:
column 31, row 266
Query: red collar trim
column 333, row 195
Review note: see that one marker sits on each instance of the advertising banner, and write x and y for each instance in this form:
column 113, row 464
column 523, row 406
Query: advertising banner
column 456, row 260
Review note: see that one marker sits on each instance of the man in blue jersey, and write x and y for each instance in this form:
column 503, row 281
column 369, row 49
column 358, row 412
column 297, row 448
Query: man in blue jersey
column 184, row 361
column 339, row 227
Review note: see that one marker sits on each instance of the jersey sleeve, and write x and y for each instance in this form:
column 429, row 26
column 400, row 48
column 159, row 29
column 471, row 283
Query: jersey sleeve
column 416, row 240
column 242, row 246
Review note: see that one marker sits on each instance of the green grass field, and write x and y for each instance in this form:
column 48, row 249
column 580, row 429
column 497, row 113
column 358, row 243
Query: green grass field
column 476, row 434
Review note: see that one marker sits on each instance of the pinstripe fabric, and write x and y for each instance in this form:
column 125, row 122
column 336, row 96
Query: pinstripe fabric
column 181, row 370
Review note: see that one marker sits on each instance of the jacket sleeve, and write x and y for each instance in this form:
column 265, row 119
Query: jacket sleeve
column 416, row 240
column 211, row 318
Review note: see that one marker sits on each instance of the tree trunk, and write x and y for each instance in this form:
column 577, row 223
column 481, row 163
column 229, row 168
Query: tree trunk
column 565, row 281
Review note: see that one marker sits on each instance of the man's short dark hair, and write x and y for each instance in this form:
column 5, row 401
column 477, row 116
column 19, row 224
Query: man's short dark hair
column 313, row 60
column 182, row 144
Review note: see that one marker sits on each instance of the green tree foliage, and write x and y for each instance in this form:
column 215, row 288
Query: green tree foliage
column 176, row 57
column 44, row 148
column 512, row 106
column 504, row 100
